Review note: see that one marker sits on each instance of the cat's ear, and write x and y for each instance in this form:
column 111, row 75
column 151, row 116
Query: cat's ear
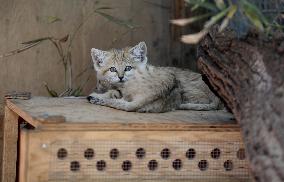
column 98, row 57
column 139, row 52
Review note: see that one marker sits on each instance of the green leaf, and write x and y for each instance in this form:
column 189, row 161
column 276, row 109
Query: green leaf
column 76, row 92
column 52, row 93
column 186, row 21
column 213, row 20
column 220, row 4
column 202, row 3
column 195, row 7
column 277, row 25
column 116, row 20
column 52, row 19
column 231, row 13
column 254, row 15
column 233, row 9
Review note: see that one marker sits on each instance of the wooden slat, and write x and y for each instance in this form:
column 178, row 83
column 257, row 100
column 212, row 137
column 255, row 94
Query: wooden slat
column 22, row 113
column 137, row 127
column 1, row 140
column 9, row 146
column 23, row 158
column 39, row 160
column 77, row 114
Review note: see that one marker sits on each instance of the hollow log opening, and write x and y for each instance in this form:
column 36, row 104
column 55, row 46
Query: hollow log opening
column 249, row 75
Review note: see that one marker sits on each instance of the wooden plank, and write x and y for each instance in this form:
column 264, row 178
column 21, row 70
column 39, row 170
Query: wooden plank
column 137, row 127
column 23, row 158
column 42, row 163
column 10, row 146
column 1, row 140
column 22, row 113
column 55, row 113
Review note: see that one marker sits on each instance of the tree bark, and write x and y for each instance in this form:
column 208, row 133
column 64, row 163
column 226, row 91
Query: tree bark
column 249, row 75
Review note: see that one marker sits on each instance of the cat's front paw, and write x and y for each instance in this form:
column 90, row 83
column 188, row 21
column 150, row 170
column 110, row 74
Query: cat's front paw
column 94, row 100
column 114, row 94
column 89, row 98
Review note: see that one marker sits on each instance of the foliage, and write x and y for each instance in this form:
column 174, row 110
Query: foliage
column 224, row 12
column 63, row 46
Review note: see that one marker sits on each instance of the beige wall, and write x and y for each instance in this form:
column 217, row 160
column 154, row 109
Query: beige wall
column 23, row 20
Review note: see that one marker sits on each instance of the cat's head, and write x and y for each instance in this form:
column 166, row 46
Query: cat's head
column 117, row 66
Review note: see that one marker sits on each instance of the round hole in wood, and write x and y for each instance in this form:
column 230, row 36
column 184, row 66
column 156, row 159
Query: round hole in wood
column 126, row 165
column 215, row 153
column 140, row 153
column 74, row 166
column 228, row 165
column 165, row 153
column 101, row 165
column 62, row 153
column 241, row 154
column 203, row 165
column 89, row 153
column 114, row 153
column 190, row 153
column 152, row 165
column 177, row 164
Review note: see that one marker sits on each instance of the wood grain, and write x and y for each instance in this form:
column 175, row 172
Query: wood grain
column 39, row 162
column 75, row 124
column 77, row 114
column 1, row 140
column 40, row 64
column 10, row 139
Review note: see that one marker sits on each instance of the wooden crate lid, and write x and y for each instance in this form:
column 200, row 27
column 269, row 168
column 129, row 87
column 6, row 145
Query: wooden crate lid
column 77, row 114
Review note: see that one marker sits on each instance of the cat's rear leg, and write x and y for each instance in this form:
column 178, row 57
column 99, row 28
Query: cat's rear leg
column 199, row 101
column 198, row 107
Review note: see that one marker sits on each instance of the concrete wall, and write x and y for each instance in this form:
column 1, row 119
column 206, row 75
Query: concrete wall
column 24, row 20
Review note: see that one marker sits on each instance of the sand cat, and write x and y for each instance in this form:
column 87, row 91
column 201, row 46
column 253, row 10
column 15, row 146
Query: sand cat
column 130, row 84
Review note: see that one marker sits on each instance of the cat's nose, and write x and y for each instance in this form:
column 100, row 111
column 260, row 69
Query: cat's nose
column 121, row 78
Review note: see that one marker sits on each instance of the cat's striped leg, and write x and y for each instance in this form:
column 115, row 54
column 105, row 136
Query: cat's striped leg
column 120, row 104
column 198, row 107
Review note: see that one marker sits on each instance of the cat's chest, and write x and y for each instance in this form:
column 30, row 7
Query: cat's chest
column 131, row 87
column 136, row 86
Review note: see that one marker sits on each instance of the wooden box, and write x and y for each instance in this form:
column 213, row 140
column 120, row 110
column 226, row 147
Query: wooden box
column 72, row 140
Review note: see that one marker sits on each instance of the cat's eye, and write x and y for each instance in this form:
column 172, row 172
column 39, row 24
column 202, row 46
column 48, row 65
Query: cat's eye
column 112, row 69
column 128, row 68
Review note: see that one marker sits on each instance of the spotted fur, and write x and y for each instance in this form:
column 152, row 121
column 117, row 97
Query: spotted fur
column 127, row 82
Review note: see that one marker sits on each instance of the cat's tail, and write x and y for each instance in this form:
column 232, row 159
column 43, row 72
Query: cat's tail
column 199, row 107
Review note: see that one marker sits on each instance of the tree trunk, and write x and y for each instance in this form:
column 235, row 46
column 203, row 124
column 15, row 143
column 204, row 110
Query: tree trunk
column 249, row 75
